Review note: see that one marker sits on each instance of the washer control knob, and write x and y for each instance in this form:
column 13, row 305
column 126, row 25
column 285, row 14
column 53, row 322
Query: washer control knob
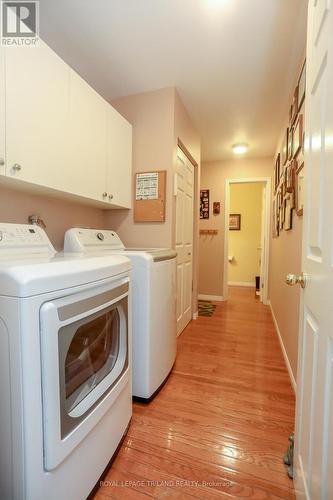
column 100, row 236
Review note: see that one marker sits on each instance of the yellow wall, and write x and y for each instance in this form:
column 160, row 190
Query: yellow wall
column 246, row 200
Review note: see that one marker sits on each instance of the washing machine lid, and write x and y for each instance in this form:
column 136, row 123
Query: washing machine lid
column 102, row 240
column 29, row 264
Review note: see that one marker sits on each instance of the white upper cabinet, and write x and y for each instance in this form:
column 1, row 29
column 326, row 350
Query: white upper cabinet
column 2, row 112
column 87, row 141
column 59, row 133
column 119, row 159
column 37, row 103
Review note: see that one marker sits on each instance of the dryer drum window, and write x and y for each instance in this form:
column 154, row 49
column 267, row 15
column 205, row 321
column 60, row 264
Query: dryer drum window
column 91, row 355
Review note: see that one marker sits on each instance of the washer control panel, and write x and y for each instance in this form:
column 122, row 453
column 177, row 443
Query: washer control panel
column 16, row 237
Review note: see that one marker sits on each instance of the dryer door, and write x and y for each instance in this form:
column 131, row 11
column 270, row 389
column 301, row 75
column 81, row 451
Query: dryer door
column 84, row 360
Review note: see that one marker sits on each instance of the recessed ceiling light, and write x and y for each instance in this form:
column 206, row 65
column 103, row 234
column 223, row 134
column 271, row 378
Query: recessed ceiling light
column 240, row 148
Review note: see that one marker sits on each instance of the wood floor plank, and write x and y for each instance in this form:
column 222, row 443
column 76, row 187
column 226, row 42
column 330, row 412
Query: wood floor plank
column 220, row 426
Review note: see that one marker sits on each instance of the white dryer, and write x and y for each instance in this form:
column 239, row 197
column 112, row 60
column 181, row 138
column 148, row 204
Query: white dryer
column 65, row 366
column 154, row 304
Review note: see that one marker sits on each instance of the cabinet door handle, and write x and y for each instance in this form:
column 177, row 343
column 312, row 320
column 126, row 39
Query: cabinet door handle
column 16, row 167
column 2, row 162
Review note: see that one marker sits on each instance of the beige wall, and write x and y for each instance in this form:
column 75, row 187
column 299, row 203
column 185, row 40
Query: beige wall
column 246, row 200
column 211, row 248
column 58, row 215
column 152, row 117
column 286, row 257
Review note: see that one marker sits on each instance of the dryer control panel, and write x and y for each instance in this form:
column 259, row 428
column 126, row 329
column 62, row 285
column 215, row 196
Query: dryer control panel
column 25, row 238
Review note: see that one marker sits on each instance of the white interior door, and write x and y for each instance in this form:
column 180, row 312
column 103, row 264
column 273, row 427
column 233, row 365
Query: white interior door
column 314, row 415
column 184, row 239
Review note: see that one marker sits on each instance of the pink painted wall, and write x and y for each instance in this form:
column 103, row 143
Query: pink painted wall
column 286, row 257
column 211, row 248
column 58, row 215
column 152, row 117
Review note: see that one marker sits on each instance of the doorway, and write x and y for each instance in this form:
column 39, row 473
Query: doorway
column 246, row 243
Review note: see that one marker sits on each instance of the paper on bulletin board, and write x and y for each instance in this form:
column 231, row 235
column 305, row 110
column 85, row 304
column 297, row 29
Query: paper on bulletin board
column 147, row 186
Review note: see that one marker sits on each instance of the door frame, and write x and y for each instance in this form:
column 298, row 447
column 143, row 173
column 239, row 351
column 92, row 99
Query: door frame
column 265, row 229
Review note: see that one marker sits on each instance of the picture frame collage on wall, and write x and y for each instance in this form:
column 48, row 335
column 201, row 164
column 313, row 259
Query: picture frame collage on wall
column 289, row 169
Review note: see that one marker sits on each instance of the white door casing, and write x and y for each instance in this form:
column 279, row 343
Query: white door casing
column 314, row 410
column 184, row 238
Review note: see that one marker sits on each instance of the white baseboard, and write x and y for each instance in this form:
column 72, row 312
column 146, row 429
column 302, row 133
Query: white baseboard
column 218, row 298
column 195, row 315
column 242, row 283
column 284, row 352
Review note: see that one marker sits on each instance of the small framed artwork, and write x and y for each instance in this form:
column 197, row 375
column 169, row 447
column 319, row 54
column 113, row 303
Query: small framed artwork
column 300, row 190
column 275, row 223
column 290, row 177
column 288, row 215
column 234, row 222
column 204, row 204
column 285, row 147
column 290, row 144
column 294, row 107
column 216, row 207
column 298, row 136
column 277, row 172
column 301, row 86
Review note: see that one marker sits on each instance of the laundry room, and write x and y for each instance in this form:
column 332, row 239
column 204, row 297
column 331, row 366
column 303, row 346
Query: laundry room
column 160, row 329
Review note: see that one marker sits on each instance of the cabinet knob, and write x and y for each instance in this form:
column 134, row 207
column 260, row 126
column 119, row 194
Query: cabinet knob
column 16, row 167
column 2, row 162
column 110, row 196
column 104, row 195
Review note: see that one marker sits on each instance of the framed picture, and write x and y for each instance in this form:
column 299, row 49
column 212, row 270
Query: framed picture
column 290, row 177
column 275, row 223
column 288, row 215
column 234, row 222
column 277, row 172
column 300, row 190
column 285, row 148
column 294, row 107
column 204, row 204
column 216, row 207
column 290, row 144
column 298, row 136
column 301, row 86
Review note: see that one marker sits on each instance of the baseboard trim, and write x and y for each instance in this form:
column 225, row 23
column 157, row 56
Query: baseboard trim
column 284, row 352
column 242, row 283
column 195, row 315
column 218, row 298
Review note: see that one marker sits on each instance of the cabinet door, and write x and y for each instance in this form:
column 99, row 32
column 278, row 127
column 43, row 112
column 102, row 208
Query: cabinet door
column 119, row 159
column 2, row 111
column 37, row 83
column 87, row 140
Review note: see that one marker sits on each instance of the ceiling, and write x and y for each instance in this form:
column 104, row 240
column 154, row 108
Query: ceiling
column 233, row 62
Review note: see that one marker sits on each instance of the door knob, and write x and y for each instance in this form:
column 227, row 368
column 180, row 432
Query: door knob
column 292, row 279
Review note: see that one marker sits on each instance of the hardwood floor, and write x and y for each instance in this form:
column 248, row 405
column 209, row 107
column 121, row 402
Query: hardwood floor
column 219, row 427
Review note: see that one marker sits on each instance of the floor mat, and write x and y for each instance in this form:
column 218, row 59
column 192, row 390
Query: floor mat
column 206, row 308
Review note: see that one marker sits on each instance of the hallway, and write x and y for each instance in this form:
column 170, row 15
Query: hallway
column 222, row 420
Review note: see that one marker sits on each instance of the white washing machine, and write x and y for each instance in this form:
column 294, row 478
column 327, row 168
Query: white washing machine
column 65, row 366
column 154, row 305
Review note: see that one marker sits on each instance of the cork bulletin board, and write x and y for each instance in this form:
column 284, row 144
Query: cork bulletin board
column 149, row 196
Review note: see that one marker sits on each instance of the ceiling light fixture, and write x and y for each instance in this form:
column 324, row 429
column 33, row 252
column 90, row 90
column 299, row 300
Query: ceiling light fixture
column 240, row 148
